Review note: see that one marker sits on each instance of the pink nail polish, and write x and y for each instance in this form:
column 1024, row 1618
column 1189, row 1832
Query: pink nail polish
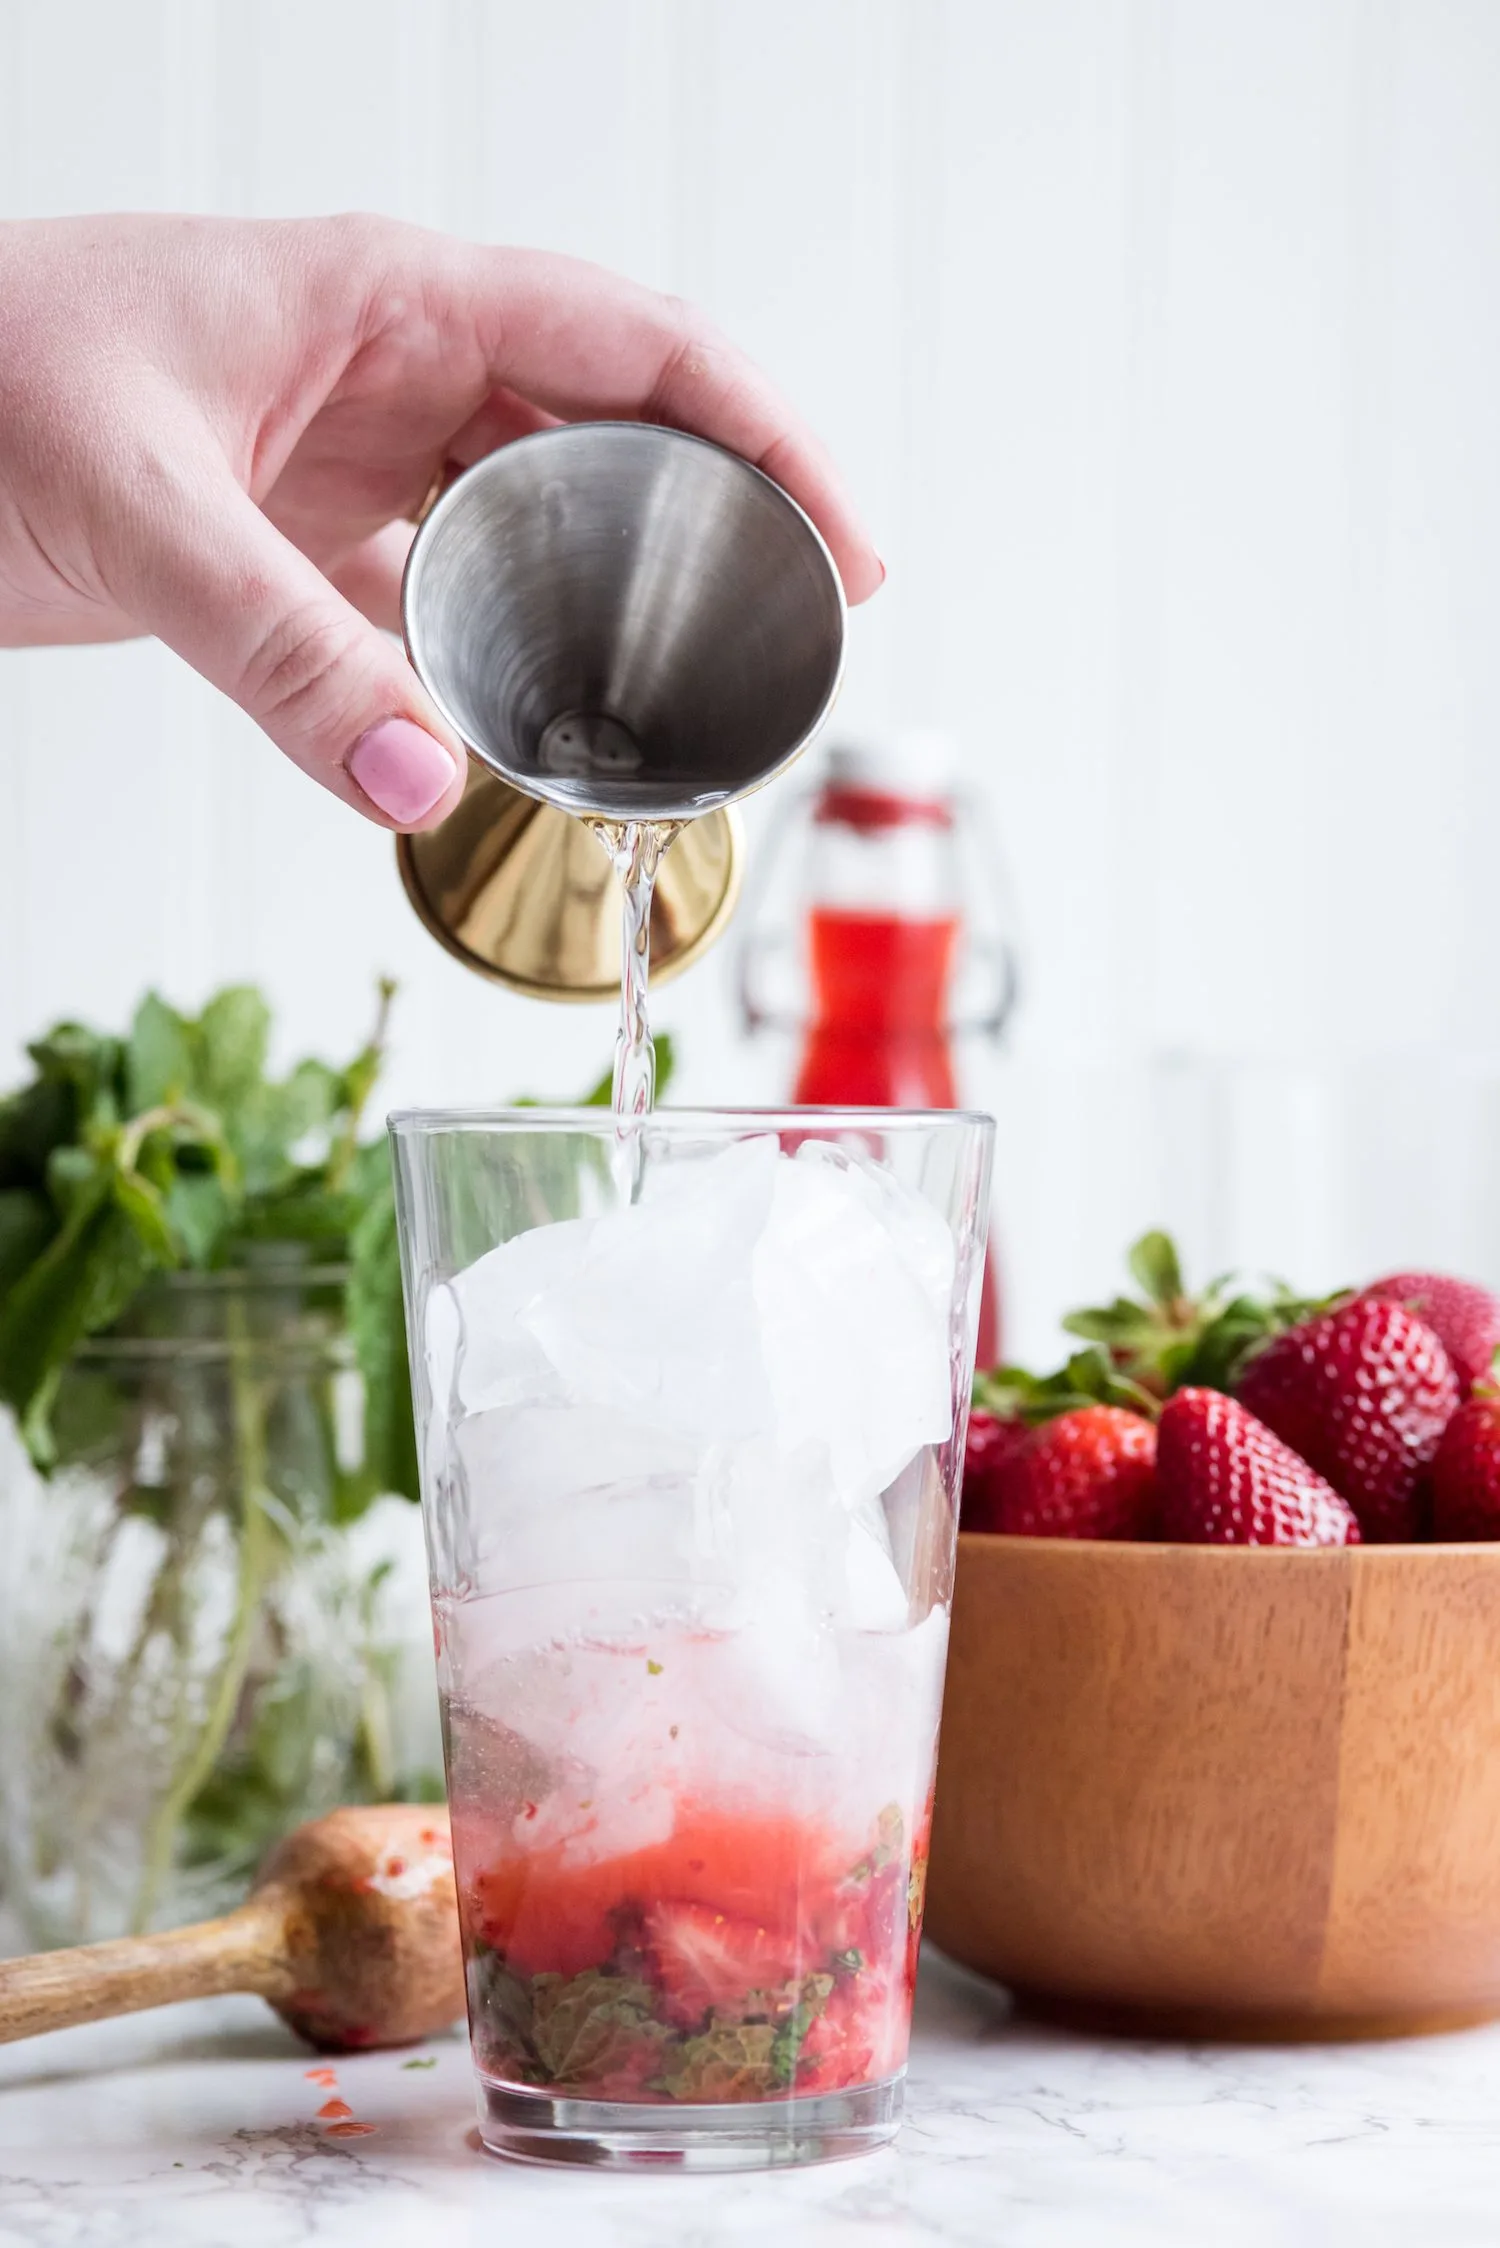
column 401, row 768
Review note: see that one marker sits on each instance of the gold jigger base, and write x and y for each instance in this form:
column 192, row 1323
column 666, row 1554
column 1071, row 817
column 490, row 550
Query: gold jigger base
column 523, row 893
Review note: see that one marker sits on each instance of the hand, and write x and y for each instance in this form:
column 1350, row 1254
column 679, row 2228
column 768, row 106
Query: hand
column 214, row 429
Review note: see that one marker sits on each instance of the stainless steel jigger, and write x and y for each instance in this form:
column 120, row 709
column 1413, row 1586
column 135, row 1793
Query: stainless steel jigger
column 625, row 622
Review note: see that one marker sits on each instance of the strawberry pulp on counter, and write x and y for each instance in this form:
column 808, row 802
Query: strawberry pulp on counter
column 746, row 1957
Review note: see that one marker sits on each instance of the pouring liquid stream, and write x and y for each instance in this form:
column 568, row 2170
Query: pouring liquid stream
column 636, row 849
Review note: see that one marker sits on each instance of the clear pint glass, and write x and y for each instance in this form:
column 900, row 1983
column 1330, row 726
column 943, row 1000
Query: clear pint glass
column 691, row 1405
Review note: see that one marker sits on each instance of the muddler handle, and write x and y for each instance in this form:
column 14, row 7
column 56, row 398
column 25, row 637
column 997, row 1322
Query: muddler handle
column 246, row 1950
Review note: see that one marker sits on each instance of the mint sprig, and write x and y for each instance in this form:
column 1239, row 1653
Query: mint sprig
column 172, row 1149
column 175, row 1149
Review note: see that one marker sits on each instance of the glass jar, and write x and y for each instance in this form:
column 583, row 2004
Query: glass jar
column 881, row 936
column 202, row 1617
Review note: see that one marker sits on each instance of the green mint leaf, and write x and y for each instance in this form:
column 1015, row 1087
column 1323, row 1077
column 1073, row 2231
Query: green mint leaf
column 32, row 1123
column 593, row 2026
column 27, row 1223
column 80, row 1283
column 1154, row 1266
column 428, row 2060
column 500, row 2004
column 200, row 1211
column 729, row 2061
column 377, row 1325
column 159, row 1063
column 232, row 1036
column 90, row 1066
column 355, row 1088
column 356, row 1083
column 278, row 1130
column 72, row 1175
column 786, row 2050
column 141, row 1203
column 307, row 1102
column 302, row 1210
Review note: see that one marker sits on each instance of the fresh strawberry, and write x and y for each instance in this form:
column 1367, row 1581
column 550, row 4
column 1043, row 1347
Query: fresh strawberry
column 1223, row 1478
column 1087, row 1474
column 1363, row 1393
column 1465, row 1480
column 1464, row 1317
column 711, row 1962
column 990, row 1442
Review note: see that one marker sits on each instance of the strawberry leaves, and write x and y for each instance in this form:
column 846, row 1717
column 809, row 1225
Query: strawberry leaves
column 1153, row 1266
column 1010, row 1393
column 1166, row 1339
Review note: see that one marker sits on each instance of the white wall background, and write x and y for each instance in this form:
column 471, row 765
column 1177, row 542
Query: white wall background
column 1161, row 343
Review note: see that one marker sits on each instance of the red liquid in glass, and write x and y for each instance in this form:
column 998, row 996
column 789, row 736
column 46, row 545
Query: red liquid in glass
column 741, row 1959
column 880, row 986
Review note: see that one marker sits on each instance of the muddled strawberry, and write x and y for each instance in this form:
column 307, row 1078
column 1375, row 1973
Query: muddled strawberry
column 709, row 1962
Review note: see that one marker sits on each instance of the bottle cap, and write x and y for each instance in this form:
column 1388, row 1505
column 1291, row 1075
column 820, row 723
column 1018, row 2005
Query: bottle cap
column 890, row 780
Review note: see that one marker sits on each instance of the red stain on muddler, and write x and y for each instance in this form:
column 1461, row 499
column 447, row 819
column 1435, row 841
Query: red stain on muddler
column 349, row 2130
column 324, row 2076
column 333, row 2111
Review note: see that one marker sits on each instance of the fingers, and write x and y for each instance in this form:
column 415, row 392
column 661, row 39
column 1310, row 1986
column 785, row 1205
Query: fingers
column 214, row 579
column 370, row 576
column 581, row 342
column 503, row 416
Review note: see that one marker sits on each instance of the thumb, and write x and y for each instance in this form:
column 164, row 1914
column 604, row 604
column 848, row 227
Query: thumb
column 215, row 579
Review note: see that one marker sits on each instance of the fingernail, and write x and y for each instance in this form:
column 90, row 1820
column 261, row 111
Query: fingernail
column 403, row 770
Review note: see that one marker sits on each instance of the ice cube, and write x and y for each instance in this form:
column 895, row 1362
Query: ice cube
column 852, row 1285
column 658, row 1317
column 876, row 1599
column 527, row 1458
column 710, row 1388
column 481, row 1353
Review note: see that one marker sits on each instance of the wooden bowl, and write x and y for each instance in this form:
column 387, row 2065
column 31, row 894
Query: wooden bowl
column 1202, row 1790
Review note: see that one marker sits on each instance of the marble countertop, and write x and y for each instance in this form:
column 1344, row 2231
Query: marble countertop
column 196, row 2128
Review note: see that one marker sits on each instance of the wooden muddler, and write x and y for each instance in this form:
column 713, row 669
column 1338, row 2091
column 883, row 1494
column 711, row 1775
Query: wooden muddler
column 351, row 1934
